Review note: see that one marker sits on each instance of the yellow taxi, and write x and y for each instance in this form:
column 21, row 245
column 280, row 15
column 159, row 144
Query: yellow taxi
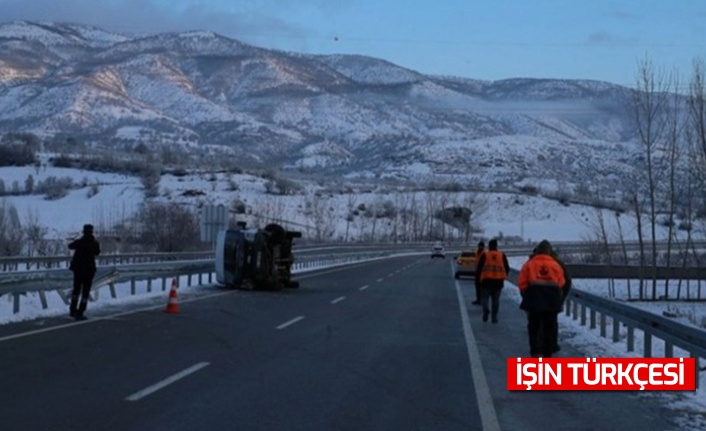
column 465, row 264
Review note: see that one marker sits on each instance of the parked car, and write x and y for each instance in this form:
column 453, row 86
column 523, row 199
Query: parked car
column 438, row 251
column 466, row 264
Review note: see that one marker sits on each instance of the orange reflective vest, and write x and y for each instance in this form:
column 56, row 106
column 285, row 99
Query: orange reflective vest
column 541, row 270
column 493, row 267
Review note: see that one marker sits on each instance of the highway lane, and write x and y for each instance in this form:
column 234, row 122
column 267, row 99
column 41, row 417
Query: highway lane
column 374, row 346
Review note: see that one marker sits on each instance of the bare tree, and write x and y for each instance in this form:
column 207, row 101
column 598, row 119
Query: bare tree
column 417, row 225
column 11, row 233
column 697, row 133
column 649, row 104
column 641, row 242
column 35, row 234
column 322, row 220
column 350, row 206
column 697, row 109
column 168, row 227
column 672, row 151
column 621, row 236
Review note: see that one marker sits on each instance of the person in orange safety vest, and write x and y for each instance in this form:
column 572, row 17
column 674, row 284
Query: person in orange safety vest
column 491, row 272
column 541, row 284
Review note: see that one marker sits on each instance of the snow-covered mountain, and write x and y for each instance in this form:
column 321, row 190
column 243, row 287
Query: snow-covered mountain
column 340, row 114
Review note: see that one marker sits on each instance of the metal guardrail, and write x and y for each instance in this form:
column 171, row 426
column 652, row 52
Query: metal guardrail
column 635, row 272
column 596, row 310
column 19, row 283
column 26, row 263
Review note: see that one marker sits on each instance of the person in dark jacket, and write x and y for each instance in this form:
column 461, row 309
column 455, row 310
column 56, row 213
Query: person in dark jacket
column 83, row 265
column 479, row 252
column 491, row 272
column 541, row 284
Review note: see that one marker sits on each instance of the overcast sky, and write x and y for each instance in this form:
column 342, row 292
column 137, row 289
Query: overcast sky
column 483, row 39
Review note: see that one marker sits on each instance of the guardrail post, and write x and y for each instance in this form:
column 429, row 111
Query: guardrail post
column 669, row 350
column 583, row 315
column 164, row 284
column 576, row 310
column 631, row 339
column 200, row 283
column 149, row 285
column 648, row 345
column 693, row 355
column 603, row 325
column 567, row 306
column 616, row 329
column 133, row 288
column 188, row 280
column 593, row 318
column 210, row 278
column 111, row 286
column 15, row 303
column 43, row 299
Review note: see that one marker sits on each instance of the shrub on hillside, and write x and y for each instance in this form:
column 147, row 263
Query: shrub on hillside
column 54, row 188
column 12, row 154
column 11, row 233
column 168, row 227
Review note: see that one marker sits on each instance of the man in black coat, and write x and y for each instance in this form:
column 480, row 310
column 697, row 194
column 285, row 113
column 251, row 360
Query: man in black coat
column 83, row 265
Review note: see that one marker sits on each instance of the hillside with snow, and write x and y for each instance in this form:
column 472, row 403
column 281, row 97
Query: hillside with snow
column 355, row 116
column 340, row 211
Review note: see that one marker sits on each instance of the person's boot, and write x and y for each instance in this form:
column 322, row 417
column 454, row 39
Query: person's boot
column 73, row 306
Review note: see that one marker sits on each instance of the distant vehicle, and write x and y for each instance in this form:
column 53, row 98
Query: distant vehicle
column 438, row 251
column 466, row 264
column 255, row 258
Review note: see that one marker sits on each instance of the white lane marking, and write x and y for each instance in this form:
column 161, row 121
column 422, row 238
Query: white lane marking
column 109, row 317
column 390, row 274
column 379, row 280
column 290, row 322
column 337, row 300
column 488, row 416
column 363, row 287
column 166, row 382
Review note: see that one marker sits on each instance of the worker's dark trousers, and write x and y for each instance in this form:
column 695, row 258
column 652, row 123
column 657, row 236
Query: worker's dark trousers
column 542, row 331
column 82, row 288
column 490, row 294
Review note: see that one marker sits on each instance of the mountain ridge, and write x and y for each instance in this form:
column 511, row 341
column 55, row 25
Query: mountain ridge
column 339, row 114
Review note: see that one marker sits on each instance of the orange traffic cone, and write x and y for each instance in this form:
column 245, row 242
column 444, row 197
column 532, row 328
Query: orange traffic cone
column 172, row 304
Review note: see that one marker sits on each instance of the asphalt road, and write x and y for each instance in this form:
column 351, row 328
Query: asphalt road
column 388, row 345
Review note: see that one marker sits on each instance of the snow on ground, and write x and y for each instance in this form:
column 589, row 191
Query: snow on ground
column 105, row 199
column 498, row 214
